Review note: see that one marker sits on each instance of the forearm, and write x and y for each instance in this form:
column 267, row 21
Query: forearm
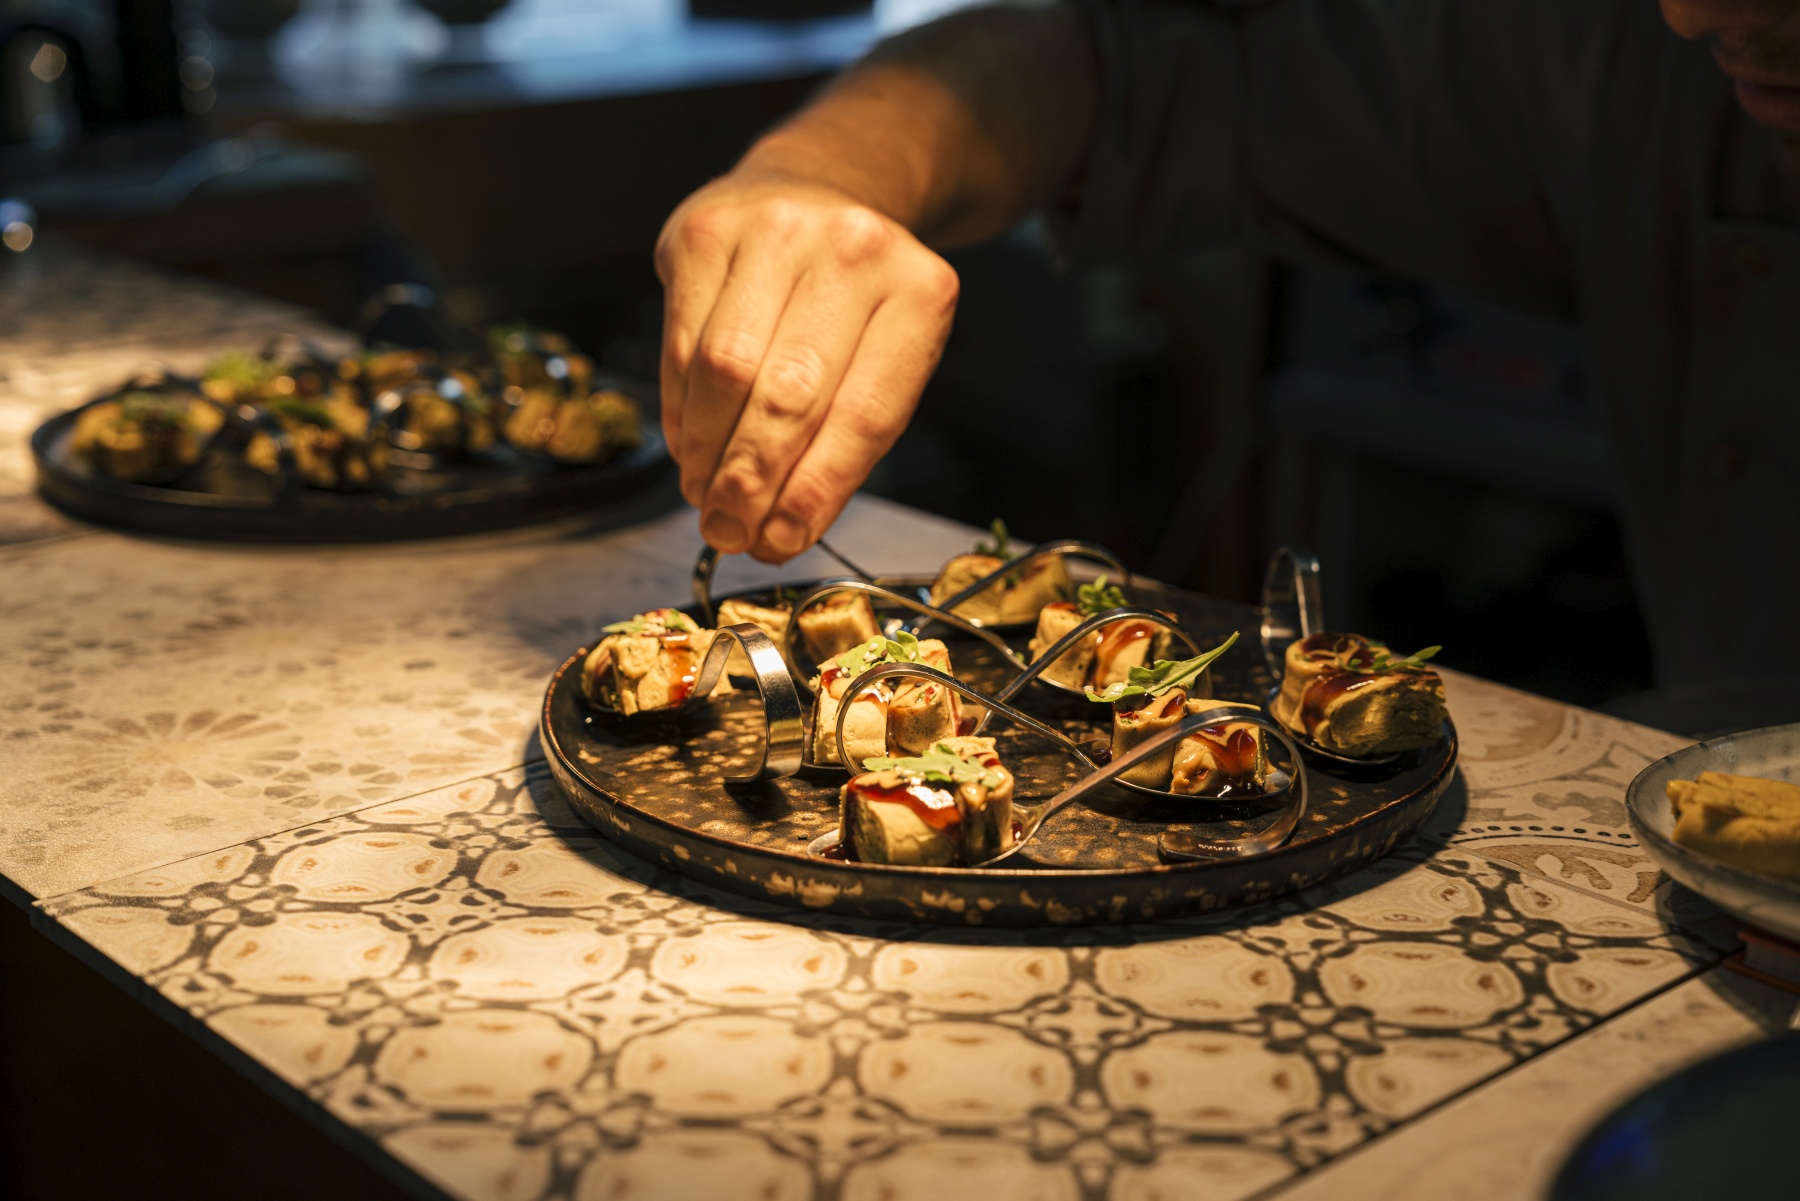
column 954, row 130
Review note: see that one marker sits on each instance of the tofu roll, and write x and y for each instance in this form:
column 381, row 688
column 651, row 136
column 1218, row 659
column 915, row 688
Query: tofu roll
column 1351, row 696
column 770, row 619
column 649, row 663
column 1017, row 598
column 1224, row 760
column 837, row 624
column 146, row 436
column 948, row 807
column 1108, row 654
column 910, row 716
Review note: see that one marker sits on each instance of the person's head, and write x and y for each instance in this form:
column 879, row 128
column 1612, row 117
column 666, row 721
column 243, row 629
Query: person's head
column 1757, row 42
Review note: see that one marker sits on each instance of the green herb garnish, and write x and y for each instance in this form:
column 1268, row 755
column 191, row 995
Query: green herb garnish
column 1162, row 676
column 1099, row 596
column 244, row 371
column 939, row 765
column 1001, row 546
column 1380, row 660
column 901, row 648
column 302, row 408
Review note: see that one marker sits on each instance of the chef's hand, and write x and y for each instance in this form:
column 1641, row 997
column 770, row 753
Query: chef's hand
column 799, row 327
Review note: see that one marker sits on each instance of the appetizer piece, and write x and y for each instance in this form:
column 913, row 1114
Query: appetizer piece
column 951, row 806
column 1224, row 760
column 449, row 415
column 909, row 717
column 837, row 624
column 238, row 377
column 1108, row 654
column 1152, row 699
column 145, row 435
column 1017, row 598
column 648, row 663
column 329, row 434
column 1350, row 696
column 556, row 410
column 580, row 429
column 1745, row 821
column 770, row 619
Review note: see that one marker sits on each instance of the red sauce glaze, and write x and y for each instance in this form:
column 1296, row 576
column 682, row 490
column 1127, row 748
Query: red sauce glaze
column 836, row 850
column 1235, row 753
column 936, row 807
column 680, row 649
column 1070, row 605
column 1152, row 707
column 1115, row 639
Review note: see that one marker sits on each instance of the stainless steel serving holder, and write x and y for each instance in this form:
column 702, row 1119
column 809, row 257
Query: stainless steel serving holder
column 1073, row 547
column 1036, row 668
column 1175, row 845
column 1291, row 606
column 829, row 588
column 784, row 722
column 708, row 563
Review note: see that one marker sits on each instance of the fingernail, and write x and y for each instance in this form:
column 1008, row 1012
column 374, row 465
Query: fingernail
column 724, row 531
column 785, row 535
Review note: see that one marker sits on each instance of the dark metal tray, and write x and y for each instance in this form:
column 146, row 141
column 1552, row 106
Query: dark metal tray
column 504, row 488
column 658, row 793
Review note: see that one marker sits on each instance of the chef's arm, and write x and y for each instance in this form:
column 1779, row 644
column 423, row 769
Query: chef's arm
column 803, row 311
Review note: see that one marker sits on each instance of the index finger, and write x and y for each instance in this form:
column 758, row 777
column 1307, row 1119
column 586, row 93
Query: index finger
column 693, row 258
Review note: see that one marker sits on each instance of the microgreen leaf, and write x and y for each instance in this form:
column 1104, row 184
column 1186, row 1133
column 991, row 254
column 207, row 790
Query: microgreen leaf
column 1001, row 546
column 1099, row 596
column 1161, row 676
column 1381, row 660
column 939, row 765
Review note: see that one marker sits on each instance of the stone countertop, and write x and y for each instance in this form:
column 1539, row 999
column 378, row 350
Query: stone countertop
column 292, row 798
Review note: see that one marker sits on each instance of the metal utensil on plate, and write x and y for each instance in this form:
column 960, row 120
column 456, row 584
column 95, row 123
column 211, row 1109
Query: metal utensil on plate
column 1292, row 610
column 708, row 563
column 1180, row 845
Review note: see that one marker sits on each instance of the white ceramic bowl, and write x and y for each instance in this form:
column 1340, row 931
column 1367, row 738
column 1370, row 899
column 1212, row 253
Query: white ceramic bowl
column 1764, row 901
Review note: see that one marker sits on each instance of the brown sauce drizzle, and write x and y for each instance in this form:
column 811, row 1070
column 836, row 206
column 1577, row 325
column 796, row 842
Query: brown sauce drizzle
column 936, row 807
column 1115, row 640
column 680, row 647
column 1234, row 753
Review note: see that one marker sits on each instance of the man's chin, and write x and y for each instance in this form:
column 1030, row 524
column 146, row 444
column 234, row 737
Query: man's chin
column 1776, row 107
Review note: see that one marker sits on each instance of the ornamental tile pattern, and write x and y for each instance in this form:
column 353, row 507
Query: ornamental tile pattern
column 474, row 981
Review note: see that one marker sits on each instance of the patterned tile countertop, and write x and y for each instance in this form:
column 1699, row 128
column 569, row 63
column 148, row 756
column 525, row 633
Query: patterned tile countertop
column 293, row 798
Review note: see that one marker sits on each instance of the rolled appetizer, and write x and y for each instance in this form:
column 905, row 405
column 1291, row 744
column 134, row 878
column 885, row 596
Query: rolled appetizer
column 443, row 410
column 146, row 435
column 836, row 624
column 949, row 807
column 1352, row 697
column 1017, row 598
column 329, row 433
column 1153, row 699
column 908, row 718
column 1108, row 654
column 556, row 409
column 1746, row 821
column 770, row 619
column 579, row 429
column 648, row 663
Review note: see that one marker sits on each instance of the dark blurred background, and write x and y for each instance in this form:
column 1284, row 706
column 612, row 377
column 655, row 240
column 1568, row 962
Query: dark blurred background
column 1443, row 456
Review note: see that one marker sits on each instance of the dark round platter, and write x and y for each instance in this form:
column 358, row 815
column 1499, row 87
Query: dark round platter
column 659, row 794
column 224, row 501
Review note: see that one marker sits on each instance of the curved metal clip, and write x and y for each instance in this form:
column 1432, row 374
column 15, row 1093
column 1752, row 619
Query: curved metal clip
column 889, row 596
column 1291, row 606
column 1178, row 845
column 784, row 724
column 708, row 563
column 1075, row 547
column 1073, row 638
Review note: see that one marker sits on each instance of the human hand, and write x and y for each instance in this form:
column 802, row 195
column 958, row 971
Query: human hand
column 799, row 328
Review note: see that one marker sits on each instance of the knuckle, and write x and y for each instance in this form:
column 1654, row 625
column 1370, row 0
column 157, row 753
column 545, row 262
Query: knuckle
column 789, row 388
column 859, row 235
column 780, row 216
column 738, row 482
column 731, row 356
column 940, row 285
